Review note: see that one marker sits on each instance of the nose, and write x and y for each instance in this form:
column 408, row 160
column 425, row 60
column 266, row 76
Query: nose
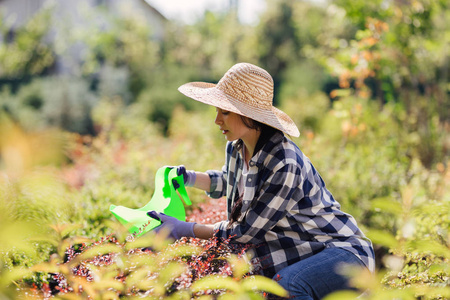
column 218, row 119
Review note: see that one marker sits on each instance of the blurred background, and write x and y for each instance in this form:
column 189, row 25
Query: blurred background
column 89, row 110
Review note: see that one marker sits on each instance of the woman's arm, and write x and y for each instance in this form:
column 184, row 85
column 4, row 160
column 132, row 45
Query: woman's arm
column 204, row 231
column 202, row 181
column 264, row 212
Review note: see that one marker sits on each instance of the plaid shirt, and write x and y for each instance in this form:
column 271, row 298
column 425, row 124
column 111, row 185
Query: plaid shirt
column 287, row 212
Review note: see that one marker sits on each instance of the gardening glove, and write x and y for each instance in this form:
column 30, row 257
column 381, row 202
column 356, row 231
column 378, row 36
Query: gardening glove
column 188, row 176
column 177, row 228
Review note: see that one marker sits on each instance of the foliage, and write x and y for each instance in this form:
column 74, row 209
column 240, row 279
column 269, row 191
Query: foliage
column 27, row 53
column 396, row 55
column 118, row 166
column 31, row 196
column 30, row 188
column 120, row 43
column 52, row 102
column 396, row 214
column 402, row 42
column 365, row 81
column 145, row 267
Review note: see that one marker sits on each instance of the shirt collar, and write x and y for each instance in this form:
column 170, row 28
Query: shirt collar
column 275, row 138
column 261, row 154
column 238, row 144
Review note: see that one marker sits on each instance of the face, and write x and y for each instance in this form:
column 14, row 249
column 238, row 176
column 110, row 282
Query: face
column 231, row 125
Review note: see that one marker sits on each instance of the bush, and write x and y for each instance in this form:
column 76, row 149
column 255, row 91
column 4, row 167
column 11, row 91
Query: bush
column 58, row 102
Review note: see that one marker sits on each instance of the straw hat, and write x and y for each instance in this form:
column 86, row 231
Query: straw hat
column 247, row 90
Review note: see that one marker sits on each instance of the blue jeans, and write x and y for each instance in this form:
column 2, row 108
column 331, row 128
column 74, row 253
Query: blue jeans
column 318, row 275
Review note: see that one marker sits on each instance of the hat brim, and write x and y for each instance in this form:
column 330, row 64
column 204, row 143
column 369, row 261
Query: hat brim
column 209, row 94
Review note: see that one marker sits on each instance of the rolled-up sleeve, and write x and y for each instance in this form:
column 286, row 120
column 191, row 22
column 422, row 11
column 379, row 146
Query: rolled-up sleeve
column 218, row 183
column 218, row 187
column 264, row 212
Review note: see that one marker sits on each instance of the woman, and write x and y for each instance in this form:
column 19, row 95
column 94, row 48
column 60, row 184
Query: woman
column 276, row 200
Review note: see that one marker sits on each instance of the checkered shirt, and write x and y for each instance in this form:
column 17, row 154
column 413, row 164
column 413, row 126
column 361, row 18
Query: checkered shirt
column 287, row 212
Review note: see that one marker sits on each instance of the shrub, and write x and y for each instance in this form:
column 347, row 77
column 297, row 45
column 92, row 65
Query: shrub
column 52, row 102
column 148, row 267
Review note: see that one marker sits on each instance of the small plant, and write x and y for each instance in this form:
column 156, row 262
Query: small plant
column 147, row 267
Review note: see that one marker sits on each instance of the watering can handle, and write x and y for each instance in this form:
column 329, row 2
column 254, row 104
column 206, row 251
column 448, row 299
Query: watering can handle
column 181, row 189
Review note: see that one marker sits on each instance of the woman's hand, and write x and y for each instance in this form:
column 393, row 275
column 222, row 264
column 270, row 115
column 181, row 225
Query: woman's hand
column 177, row 229
column 198, row 180
column 188, row 176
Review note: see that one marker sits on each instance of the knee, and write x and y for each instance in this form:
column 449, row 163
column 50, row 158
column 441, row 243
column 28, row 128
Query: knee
column 283, row 279
column 293, row 284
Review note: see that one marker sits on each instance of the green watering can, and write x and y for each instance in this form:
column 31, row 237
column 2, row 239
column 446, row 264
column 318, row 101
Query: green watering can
column 165, row 199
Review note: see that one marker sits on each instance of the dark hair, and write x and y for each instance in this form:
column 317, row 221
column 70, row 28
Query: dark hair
column 266, row 131
column 252, row 124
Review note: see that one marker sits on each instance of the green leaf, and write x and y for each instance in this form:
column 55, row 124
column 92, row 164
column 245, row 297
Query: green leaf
column 8, row 276
column 383, row 238
column 106, row 284
column 360, row 34
column 404, row 294
column 45, row 238
column 239, row 266
column 137, row 260
column 64, row 244
column 261, row 283
column 181, row 295
column 342, row 92
column 342, row 295
column 137, row 276
column 216, row 282
column 170, row 272
column 244, row 296
column 387, row 205
column 68, row 228
column 204, row 297
column 47, row 267
column 430, row 247
column 99, row 250
column 440, row 268
column 178, row 251
column 17, row 239
column 157, row 242
column 432, row 292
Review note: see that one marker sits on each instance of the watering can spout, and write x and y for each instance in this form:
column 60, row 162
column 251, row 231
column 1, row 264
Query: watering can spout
column 165, row 199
